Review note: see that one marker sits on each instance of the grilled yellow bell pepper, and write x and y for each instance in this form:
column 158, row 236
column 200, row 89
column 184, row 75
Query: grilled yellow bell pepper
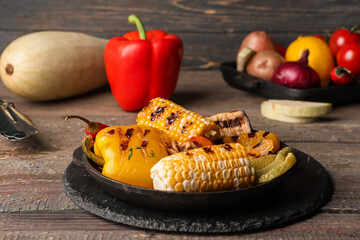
column 129, row 152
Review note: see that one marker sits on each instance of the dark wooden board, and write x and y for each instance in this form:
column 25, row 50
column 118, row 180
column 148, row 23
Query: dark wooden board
column 220, row 24
column 180, row 16
column 220, row 47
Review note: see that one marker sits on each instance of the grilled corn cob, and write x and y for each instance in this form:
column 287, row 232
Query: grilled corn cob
column 210, row 168
column 178, row 122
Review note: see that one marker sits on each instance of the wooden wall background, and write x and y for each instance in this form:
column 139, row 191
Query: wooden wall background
column 211, row 30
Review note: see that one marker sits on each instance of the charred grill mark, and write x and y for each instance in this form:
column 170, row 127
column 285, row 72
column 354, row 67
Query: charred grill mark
column 186, row 126
column 146, row 132
column 124, row 145
column 129, row 133
column 188, row 153
column 236, row 122
column 235, row 138
column 220, row 123
column 157, row 113
column 144, row 143
column 229, row 123
column 112, row 131
column 265, row 134
column 228, row 147
column 208, row 150
column 171, row 119
column 251, row 135
column 257, row 145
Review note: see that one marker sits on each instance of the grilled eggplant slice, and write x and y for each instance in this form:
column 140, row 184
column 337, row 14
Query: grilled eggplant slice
column 232, row 123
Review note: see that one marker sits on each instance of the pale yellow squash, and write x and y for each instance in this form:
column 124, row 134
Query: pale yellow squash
column 52, row 65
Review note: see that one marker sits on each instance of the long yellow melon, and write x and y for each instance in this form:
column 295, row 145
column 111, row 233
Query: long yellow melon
column 52, row 65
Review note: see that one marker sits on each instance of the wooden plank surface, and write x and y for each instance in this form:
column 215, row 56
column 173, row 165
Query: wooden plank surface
column 180, row 16
column 31, row 170
column 85, row 226
column 221, row 24
column 32, row 202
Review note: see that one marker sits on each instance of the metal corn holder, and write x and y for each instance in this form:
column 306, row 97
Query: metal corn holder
column 14, row 125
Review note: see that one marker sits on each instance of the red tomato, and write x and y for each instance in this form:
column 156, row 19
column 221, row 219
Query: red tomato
column 341, row 37
column 341, row 76
column 349, row 57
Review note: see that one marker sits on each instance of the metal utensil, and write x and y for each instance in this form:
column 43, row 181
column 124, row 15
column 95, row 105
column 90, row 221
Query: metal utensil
column 14, row 125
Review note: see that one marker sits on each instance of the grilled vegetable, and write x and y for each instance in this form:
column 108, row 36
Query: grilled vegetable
column 232, row 123
column 180, row 123
column 198, row 141
column 191, row 143
column 211, row 168
column 87, row 145
column 258, row 143
column 284, row 160
column 262, row 162
column 92, row 128
column 279, row 158
column 129, row 152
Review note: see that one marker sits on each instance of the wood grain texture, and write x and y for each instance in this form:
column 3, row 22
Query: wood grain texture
column 35, row 185
column 33, row 204
column 86, row 226
column 220, row 24
column 31, row 181
column 219, row 48
column 180, row 15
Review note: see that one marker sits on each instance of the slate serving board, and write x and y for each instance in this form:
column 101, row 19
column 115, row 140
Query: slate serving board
column 302, row 194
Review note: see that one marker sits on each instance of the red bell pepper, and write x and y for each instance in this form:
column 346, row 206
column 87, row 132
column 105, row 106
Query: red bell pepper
column 142, row 65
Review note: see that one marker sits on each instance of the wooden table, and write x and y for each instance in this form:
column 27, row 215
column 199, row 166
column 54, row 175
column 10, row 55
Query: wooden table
column 33, row 204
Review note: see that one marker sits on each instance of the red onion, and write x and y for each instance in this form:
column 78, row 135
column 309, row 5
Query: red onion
column 296, row 74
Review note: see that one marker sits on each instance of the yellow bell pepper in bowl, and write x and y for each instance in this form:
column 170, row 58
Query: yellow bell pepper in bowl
column 129, row 152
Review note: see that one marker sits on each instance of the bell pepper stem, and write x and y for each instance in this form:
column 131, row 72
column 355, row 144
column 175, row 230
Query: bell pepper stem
column 133, row 19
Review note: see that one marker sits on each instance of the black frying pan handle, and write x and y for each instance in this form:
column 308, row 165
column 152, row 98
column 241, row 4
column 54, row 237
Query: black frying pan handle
column 247, row 82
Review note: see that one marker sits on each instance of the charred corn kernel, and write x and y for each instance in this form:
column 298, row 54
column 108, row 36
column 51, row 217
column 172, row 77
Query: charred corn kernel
column 201, row 170
column 178, row 122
